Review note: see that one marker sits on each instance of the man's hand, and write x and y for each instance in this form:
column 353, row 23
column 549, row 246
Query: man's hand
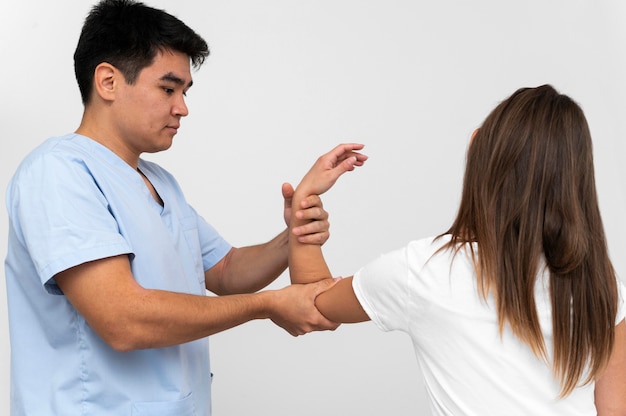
column 294, row 308
column 317, row 230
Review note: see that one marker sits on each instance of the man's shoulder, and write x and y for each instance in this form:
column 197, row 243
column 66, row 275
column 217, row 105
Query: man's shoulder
column 42, row 156
column 54, row 148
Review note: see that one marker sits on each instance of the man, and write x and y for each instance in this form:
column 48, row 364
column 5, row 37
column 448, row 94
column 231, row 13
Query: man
column 108, row 266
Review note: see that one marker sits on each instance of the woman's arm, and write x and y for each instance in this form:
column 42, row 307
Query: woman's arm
column 340, row 304
column 610, row 393
column 306, row 262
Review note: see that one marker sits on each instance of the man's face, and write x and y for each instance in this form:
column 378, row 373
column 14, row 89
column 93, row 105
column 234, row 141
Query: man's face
column 149, row 111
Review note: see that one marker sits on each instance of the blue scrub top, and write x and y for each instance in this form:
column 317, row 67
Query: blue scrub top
column 72, row 200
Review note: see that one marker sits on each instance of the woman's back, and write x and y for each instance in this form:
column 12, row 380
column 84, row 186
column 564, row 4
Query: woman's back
column 515, row 306
column 468, row 367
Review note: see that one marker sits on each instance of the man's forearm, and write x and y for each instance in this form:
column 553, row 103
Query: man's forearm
column 162, row 319
column 128, row 316
column 250, row 269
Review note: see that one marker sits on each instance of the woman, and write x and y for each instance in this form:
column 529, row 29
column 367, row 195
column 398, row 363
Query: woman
column 516, row 309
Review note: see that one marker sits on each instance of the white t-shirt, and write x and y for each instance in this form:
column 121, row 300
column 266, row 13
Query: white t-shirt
column 468, row 368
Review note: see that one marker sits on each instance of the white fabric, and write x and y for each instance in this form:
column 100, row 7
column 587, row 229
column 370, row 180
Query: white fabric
column 467, row 367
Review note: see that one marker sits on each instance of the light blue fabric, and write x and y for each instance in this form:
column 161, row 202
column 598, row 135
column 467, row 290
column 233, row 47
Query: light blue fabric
column 71, row 201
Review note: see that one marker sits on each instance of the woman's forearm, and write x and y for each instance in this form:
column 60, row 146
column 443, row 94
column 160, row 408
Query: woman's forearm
column 306, row 261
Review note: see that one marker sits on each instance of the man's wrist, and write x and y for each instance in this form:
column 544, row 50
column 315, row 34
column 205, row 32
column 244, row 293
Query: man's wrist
column 267, row 301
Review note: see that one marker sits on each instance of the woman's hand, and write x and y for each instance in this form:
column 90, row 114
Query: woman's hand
column 329, row 167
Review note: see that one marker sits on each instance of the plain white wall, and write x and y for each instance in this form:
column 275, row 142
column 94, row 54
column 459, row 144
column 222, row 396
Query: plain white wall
column 289, row 79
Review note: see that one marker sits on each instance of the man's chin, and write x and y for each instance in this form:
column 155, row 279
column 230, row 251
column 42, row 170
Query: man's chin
column 160, row 148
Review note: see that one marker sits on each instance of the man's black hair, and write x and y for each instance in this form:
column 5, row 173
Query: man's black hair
column 128, row 35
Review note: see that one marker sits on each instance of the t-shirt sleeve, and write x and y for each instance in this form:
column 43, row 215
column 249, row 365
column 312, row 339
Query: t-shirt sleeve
column 381, row 288
column 61, row 216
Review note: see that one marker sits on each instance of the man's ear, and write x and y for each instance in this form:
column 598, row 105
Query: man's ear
column 105, row 79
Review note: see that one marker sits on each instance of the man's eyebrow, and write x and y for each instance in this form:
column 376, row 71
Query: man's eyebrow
column 175, row 79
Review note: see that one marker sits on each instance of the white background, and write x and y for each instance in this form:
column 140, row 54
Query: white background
column 288, row 80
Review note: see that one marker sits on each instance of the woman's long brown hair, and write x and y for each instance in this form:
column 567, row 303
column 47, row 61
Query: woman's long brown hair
column 529, row 196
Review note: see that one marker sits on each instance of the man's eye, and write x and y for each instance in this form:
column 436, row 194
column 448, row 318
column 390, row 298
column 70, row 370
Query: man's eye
column 168, row 91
